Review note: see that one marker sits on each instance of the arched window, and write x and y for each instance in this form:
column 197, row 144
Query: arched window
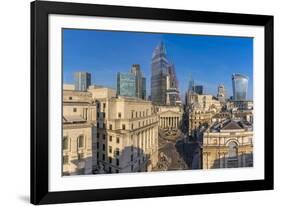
column 81, row 141
column 232, row 150
column 65, row 142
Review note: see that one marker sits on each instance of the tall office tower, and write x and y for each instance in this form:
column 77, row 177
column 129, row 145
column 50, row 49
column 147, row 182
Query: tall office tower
column 240, row 87
column 82, row 80
column 198, row 89
column 221, row 93
column 163, row 78
column 140, row 81
column 190, row 90
column 126, row 84
column 172, row 92
column 144, row 88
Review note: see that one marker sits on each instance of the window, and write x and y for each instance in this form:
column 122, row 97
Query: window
column 117, row 162
column 104, row 126
column 132, row 157
column 110, row 159
column 65, row 143
column 132, row 114
column 80, row 156
column 81, row 141
column 117, row 152
column 123, row 126
column 103, row 147
column 132, row 168
column 109, row 169
column 98, row 114
column 110, row 138
column 119, row 114
column 110, row 126
column 103, row 136
column 117, row 140
column 70, row 98
column 74, row 109
column 232, row 150
column 103, row 157
column 136, row 114
column 104, row 105
column 98, row 155
column 132, row 126
column 98, row 125
column 103, row 114
column 110, row 149
column 117, row 171
column 98, row 145
column 65, row 159
column 98, row 135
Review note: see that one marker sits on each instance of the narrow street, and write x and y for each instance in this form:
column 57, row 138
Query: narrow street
column 169, row 157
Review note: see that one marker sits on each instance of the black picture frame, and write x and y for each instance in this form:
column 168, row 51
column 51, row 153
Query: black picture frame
column 39, row 102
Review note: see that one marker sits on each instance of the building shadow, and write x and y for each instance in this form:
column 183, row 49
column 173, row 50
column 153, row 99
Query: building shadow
column 128, row 160
column 187, row 151
column 233, row 162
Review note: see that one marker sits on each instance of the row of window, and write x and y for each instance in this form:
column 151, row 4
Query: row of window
column 65, row 159
column 110, row 138
column 136, row 114
column 117, row 151
column 80, row 142
column 109, row 159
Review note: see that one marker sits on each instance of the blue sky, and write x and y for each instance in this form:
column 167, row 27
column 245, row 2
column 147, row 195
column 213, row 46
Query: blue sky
column 210, row 60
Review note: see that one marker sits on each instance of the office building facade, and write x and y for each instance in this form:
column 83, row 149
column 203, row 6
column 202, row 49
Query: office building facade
column 164, row 84
column 82, row 80
column 240, row 87
column 140, row 81
column 198, row 89
column 126, row 84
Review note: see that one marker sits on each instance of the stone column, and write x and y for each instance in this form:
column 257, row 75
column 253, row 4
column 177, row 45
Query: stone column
column 221, row 156
column 240, row 155
column 244, row 160
column 225, row 159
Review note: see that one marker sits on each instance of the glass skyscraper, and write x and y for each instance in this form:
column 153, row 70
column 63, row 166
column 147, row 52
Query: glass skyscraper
column 198, row 89
column 140, row 81
column 82, row 80
column 164, row 85
column 126, row 84
column 240, row 87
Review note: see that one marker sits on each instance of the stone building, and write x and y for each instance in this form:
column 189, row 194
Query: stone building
column 228, row 144
column 127, row 133
column 79, row 120
column 198, row 118
column 205, row 102
column 170, row 117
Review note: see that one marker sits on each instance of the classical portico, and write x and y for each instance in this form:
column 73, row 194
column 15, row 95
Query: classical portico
column 169, row 120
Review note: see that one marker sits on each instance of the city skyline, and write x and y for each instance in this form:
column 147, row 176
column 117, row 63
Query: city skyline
column 211, row 60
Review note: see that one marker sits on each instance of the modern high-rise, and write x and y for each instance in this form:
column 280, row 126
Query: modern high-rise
column 126, row 84
column 82, row 80
column 221, row 93
column 198, row 89
column 164, row 85
column 140, row 81
column 240, row 87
